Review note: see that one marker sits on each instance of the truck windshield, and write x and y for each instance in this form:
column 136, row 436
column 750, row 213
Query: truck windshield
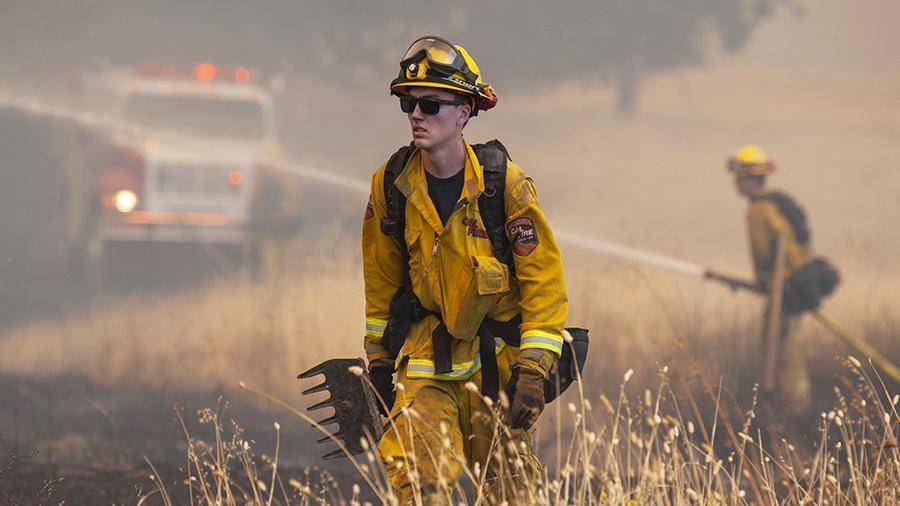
column 197, row 116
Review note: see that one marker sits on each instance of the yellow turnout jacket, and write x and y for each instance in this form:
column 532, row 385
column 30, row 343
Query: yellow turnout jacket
column 454, row 271
column 765, row 222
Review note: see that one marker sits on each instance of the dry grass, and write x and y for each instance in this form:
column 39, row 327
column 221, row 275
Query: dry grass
column 617, row 443
column 650, row 449
column 266, row 333
column 201, row 340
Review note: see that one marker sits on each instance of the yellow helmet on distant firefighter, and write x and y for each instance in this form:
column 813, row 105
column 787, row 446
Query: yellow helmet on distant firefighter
column 434, row 62
column 750, row 160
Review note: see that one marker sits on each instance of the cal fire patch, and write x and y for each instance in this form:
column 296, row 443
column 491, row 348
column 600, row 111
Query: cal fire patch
column 370, row 211
column 523, row 235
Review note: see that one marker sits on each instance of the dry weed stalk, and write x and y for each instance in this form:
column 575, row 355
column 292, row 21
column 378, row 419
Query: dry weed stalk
column 42, row 496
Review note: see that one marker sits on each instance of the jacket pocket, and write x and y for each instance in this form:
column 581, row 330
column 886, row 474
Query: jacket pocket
column 476, row 294
column 491, row 275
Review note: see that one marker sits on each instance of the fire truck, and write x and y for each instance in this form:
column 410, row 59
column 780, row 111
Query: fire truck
column 182, row 162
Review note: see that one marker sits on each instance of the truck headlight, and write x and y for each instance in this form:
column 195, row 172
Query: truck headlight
column 125, row 201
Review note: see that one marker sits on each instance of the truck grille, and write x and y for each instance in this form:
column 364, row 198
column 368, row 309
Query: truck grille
column 195, row 180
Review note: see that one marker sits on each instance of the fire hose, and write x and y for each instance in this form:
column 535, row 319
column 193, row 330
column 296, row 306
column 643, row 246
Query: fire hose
column 733, row 282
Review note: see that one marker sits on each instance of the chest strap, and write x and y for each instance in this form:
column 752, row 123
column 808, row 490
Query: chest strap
column 405, row 307
column 490, row 372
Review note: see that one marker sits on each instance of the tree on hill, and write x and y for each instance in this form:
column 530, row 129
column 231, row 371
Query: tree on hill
column 518, row 43
column 618, row 41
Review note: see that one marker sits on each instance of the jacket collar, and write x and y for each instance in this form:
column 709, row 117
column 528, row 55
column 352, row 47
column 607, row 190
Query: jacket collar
column 412, row 183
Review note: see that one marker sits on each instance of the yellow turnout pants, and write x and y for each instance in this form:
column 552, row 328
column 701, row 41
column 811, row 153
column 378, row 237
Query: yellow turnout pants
column 792, row 383
column 442, row 430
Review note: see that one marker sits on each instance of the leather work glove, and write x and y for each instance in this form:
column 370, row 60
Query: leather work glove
column 383, row 380
column 526, row 397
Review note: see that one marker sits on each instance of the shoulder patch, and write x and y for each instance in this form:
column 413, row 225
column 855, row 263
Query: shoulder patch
column 524, row 236
column 370, row 211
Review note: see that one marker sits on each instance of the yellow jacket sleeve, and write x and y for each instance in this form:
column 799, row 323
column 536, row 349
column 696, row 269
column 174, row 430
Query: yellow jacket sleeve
column 382, row 272
column 539, row 269
column 762, row 241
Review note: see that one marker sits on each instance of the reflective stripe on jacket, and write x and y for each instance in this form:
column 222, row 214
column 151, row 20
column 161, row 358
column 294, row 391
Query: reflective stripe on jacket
column 454, row 272
column 424, row 368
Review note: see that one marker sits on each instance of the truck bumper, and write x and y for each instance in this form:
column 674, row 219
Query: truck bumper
column 172, row 227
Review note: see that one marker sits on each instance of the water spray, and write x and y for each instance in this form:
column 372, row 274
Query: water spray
column 630, row 253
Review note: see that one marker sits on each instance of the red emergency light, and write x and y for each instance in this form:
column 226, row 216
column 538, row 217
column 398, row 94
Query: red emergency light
column 241, row 75
column 235, row 177
column 205, row 72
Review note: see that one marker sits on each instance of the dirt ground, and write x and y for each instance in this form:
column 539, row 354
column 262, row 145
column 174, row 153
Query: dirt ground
column 95, row 445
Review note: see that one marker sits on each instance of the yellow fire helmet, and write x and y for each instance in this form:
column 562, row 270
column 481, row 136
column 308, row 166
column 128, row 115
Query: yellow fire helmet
column 750, row 160
column 434, row 62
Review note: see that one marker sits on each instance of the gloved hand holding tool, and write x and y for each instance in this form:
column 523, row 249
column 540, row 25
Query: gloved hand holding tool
column 526, row 396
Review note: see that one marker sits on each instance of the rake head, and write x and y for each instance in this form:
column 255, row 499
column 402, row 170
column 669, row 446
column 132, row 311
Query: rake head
column 354, row 403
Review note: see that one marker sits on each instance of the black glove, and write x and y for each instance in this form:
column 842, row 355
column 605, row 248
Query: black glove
column 383, row 380
column 526, row 397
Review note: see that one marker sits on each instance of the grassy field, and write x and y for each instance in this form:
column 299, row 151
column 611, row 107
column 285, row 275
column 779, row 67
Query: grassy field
column 655, row 181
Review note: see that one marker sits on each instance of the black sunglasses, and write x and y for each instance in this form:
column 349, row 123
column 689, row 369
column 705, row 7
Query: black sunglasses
column 428, row 105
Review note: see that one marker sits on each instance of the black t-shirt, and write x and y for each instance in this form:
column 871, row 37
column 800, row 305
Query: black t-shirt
column 445, row 193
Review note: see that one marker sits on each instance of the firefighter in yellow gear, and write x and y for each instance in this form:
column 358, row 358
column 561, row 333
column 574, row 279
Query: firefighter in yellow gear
column 770, row 215
column 442, row 424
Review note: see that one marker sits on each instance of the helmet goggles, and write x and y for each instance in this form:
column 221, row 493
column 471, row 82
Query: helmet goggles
column 432, row 61
column 739, row 168
column 442, row 57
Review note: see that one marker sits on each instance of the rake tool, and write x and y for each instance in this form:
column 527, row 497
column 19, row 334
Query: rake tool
column 354, row 403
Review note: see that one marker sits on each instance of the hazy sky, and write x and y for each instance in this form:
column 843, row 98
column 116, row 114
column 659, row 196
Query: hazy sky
column 860, row 35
